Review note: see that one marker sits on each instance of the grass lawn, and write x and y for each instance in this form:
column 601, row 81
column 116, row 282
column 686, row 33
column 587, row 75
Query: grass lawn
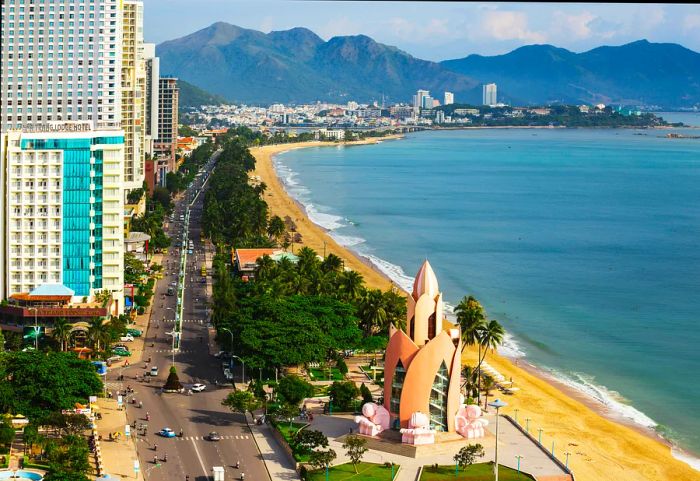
column 321, row 374
column 480, row 472
column 288, row 434
column 321, row 391
column 367, row 472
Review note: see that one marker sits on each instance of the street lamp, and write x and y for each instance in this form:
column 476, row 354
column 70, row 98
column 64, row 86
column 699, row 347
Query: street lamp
column 519, row 457
column 243, row 363
column 567, row 459
column 230, row 364
column 498, row 404
column 527, row 425
column 539, row 430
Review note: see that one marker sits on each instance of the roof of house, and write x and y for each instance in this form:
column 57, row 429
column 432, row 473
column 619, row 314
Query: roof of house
column 250, row 256
column 52, row 290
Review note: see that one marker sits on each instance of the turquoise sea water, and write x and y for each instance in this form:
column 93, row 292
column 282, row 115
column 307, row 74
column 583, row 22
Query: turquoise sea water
column 583, row 243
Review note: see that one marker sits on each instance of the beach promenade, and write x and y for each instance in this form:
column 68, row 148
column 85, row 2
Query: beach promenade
column 599, row 446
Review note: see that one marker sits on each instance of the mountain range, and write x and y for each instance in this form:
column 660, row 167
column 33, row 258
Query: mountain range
column 297, row 66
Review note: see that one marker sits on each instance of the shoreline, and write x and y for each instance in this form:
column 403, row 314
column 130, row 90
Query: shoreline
column 570, row 418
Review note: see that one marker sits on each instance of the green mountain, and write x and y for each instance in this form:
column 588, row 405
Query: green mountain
column 193, row 96
column 297, row 66
column 638, row 73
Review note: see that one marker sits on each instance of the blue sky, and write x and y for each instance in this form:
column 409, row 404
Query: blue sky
column 438, row 31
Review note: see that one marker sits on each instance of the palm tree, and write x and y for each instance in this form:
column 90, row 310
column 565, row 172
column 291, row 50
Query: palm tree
column 372, row 312
column 308, row 261
column 332, row 263
column 97, row 332
column 266, row 267
column 61, row 331
column 469, row 386
column 487, row 384
column 490, row 337
column 472, row 320
column 350, row 285
column 276, row 228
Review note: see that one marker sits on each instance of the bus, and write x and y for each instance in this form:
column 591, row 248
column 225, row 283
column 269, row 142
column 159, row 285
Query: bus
column 204, row 270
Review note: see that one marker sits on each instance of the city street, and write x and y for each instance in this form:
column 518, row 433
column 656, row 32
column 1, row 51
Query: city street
column 198, row 413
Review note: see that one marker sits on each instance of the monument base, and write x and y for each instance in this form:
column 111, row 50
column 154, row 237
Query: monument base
column 390, row 442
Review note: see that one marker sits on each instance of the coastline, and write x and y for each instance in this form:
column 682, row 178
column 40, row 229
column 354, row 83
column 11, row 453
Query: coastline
column 602, row 445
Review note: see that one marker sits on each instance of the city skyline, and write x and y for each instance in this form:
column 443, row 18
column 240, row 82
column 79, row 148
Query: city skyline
column 440, row 31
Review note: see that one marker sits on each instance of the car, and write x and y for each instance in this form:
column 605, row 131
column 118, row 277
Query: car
column 167, row 433
column 127, row 338
column 198, row 387
column 154, row 371
column 173, row 283
column 120, row 346
column 214, row 436
column 113, row 359
column 134, row 332
column 220, row 354
column 121, row 351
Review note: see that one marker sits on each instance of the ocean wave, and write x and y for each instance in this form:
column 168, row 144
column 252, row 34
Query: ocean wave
column 612, row 400
column 347, row 240
column 510, row 348
column 688, row 459
column 323, row 219
column 394, row 272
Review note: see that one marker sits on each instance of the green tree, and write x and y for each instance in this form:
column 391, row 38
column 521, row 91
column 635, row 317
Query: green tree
column 355, row 448
column 366, row 394
column 322, row 459
column 2, row 341
column 343, row 394
column 342, row 367
column 36, row 383
column 395, row 306
column 472, row 321
column 276, row 228
column 242, row 402
column 351, row 285
column 490, row 337
column 98, row 333
column 468, row 454
column 372, row 313
column 173, row 382
column 69, row 459
column 288, row 411
column 294, row 389
column 7, row 434
column 487, row 385
column 61, row 332
column 30, row 436
column 332, row 263
column 309, row 439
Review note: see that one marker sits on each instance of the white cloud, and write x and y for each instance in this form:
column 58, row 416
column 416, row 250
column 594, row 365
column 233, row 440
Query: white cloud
column 340, row 26
column 691, row 22
column 509, row 25
column 577, row 26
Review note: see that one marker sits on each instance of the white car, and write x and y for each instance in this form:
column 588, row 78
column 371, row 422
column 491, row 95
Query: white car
column 127, row 338
column 198, row 387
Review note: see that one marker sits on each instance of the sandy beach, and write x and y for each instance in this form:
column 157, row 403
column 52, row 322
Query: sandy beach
column 600, row 448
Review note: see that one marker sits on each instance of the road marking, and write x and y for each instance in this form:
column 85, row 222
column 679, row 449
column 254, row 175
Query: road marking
column 201, row 463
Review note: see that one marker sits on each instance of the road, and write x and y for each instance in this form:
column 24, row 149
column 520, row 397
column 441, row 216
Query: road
column 200, row 413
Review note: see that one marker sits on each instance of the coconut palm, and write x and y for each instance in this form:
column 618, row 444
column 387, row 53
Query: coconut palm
column 61, row 332
column 98, row 333
column 469, row 375
column 308, row 261
column 276, row 228
column 371, row 312
column 332, row 263
column 490, row 337
column 350, row 285
column 472, row 320
column 265, row 268
column 487, row 385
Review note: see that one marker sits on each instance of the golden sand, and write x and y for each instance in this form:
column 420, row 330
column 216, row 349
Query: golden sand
column 601, row 449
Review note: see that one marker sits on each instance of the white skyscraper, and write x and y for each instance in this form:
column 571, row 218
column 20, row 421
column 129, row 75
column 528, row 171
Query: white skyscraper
column 151, row 104
column 133, row 79
column 61, row 60
column 449, row 98
column 489, row 94
column 62, row 148
column 419, row 98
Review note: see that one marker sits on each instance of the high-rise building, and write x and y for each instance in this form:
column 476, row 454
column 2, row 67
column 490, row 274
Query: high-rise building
column 489, row 94
column 166, row 142
column 62, row 147
column 449, row 98
column 419, row 99
column 427, row 102
column 152, row 86
column 133, row 81
column 61, row 60
column 64, row 210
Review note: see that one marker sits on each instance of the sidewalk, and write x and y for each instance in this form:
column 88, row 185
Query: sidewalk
column 117, row 456
column 276, row 462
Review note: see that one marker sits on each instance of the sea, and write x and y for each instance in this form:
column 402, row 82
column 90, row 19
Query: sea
column 583, row 243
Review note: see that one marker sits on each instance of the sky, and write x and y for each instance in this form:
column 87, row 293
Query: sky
column 439, row 30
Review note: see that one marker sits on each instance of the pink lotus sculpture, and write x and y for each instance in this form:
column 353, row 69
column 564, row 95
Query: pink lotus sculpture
column 418, row 431
column 422, row 365
column 469, row 422
column 374, row 419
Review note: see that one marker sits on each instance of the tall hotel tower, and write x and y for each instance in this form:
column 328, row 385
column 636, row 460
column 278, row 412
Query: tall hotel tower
column 62, row 148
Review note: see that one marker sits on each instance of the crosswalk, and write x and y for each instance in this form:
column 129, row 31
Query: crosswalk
column 200, row 438
column 196, row 321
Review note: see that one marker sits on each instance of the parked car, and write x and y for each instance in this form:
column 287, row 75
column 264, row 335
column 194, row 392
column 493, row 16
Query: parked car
column 198, row 387
column 134, row 332
column 121, row 351
column 167, row 433
column 127, row 338
column 113, row 359
column 214, row 436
